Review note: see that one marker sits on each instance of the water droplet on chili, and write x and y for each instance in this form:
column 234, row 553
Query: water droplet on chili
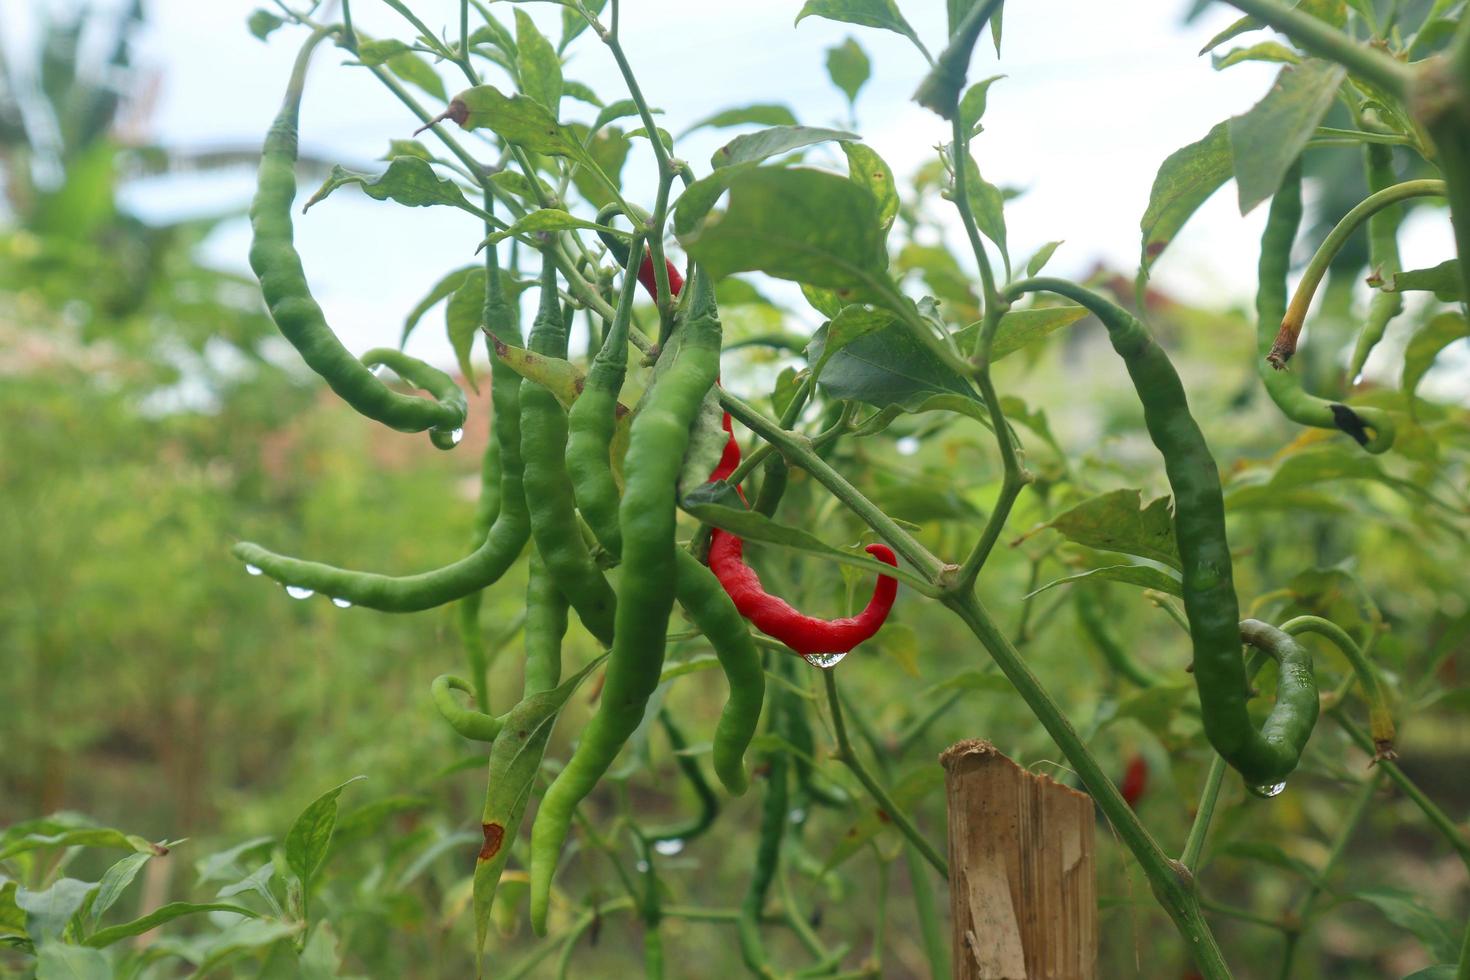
column 299, row 592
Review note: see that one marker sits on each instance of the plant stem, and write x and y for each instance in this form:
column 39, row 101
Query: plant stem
column 1239, row 914
column 1380, row 722
column 1194, row 844
column 880, row 796
column 1326, row 41
column 1171, row 882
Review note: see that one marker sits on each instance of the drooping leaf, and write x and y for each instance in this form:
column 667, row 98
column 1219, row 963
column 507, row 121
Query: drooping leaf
column 1404, row 909
column 165, row 913
column 1143, row 576
column 262, row 23
column 517, row 118
column 766, row 143
column 582, row 93
column 515, row 759
column 410, row 181
column 414, row 70
column 1021, row 328
column 1266, row 51
column 1185, row 180
column 463, row 315
column 849, row 68
column 1265, row 141
column 886, row 367
column 80, row 837
column 537, row 63
column 987, row 204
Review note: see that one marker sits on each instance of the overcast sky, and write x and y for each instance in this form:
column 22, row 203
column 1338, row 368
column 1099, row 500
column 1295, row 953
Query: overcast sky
column 1096, row 95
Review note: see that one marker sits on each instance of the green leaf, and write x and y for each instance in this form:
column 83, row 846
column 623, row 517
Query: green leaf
column 758, row 146
column 518, row 184
column 1442, row 280
column 621, row 109
column 1426, row 345
column 882, row 14
column 262, row 23
column 573, row 23
column 495, row 33
column 49, row 911
column 537, row 64
column 972, row 105
column 1116, row 521
column 911, row 790
column 849, row 68
column 1402, row 908
column 463, row 315
column 987, row 205
column 1446, row 971
column 1185, row 180
column 548, row 220
column 248, row 934
column 608, row 150
column 311, row 834
column 225, row 865
column 55, row 961
column 851, row 323
column 407, row 148
column 80, row 837
column 375, row 53
column 410, row 181
column 517, row 119
column 1265, row 141
column 515, row 759
column 758, row 114
column 115, row 881
column 867, row 169
column 1267, row 51
column 160, row 915
column 582, row 93
column 1242, row 26
column 804, row 225
column 1143, row 576
column 1021, row 328
column 1043, row 255
column 887, row 367
column 12, row 917
column 705, row 504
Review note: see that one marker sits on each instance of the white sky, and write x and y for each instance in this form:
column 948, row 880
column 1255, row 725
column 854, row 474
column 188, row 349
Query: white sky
column 1096, row 95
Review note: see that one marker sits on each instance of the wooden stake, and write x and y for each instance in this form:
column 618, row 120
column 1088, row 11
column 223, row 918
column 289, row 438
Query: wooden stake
column 1023, row 893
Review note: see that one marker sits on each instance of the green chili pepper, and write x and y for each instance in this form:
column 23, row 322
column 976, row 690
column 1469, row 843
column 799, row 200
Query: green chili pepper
column 472, row 724
column 1284, row 387
column 498, row 549
column 548, row 487
column 647, row 516
column 430, row 379
column 546, row 625
column 709, row 804
column 590, row 422
column 1091, row 615
column 1380, row 720
column 468, row 609
column 276, row 263
column 1383, row 256
column 1263, row 757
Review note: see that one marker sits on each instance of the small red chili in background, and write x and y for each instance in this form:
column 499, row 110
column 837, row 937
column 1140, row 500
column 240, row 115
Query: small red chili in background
column 1135, row 780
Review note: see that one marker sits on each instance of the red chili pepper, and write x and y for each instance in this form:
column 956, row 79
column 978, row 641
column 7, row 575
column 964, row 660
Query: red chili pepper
column 645, row 276
column 1135, row 780
column 773, row 616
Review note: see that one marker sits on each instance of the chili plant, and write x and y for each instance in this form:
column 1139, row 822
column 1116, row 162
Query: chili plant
column 621, row 482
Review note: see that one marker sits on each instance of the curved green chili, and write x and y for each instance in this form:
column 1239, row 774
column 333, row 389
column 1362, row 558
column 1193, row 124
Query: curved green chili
column 548, row 487
column 1380, row 719
column 1263, row 757
column 277, row 265
column 709, row 804
column 468, row 609
column 1285, row 388
column 428, row 378
column 647, row 515
column 497, row 550
column 472, row 724
column 1295, row 713
column 1383, row 257
column 590, row 425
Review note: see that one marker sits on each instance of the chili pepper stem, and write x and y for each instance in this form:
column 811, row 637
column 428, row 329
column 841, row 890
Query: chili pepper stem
column 1320, row 38
column 1380, row 719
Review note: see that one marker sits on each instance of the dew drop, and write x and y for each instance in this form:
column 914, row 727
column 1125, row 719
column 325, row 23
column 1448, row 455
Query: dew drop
column 341, row 603
column 907, row 446
column 456, row 436
column 1358, row 380
column 668, row 848
column 253, row 570
column 1266, row 792
column 797, row 816
column 299, row 592
column 642, row 867
column 826, row 661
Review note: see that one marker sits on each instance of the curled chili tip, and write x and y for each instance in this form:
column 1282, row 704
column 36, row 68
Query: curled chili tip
column 457, row 112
